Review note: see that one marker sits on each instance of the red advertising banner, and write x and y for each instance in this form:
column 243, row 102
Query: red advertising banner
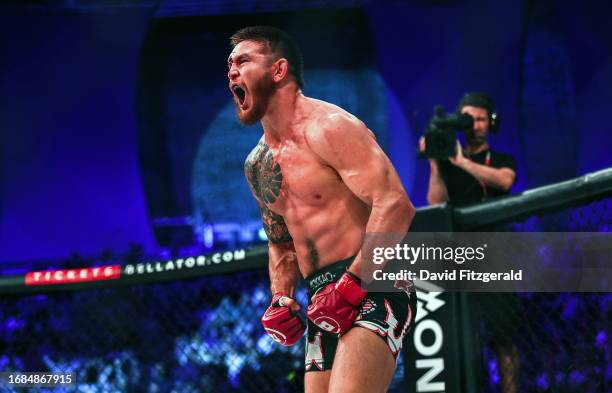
column 69, row 276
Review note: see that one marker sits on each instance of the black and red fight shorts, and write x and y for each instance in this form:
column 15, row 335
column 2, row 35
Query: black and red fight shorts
column 389, row 315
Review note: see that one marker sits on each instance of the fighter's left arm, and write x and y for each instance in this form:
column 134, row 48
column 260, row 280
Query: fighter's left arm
column 345, row 144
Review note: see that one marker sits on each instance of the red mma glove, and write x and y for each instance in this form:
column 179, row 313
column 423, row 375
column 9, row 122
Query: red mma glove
column 335, row 307
column 281, row 323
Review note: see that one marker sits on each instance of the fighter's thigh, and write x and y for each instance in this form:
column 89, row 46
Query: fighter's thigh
column 363, row 363
column 316, row 381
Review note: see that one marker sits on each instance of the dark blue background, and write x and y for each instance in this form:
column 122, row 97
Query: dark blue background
column 71, row 176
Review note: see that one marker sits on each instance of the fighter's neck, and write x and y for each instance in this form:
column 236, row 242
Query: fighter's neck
column 471, row 149
column 282, row 113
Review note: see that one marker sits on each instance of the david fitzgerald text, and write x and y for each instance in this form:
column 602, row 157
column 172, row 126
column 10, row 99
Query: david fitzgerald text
column 449, row 275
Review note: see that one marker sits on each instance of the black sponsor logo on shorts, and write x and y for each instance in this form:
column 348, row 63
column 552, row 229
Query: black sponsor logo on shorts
column 321, row 280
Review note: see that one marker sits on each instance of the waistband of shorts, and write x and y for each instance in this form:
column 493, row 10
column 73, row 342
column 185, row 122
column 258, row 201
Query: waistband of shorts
column 330, row 273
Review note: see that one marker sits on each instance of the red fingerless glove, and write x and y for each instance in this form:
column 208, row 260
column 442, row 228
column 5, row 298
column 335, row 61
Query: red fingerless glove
column 281, row 324
column 335, row 307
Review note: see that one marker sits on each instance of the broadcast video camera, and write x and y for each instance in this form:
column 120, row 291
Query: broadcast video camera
column 440, row 134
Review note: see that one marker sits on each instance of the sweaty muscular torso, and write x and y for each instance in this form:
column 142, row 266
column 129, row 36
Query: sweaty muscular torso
column 305, row 201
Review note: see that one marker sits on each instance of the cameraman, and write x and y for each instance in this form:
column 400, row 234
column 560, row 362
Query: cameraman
column 479, row 172
column 471, row 176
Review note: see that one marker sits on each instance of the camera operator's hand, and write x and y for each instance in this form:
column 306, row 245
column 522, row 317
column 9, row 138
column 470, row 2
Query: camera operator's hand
column 432, row 161
column 459, row 159
column 436, row 193
column 422, row 144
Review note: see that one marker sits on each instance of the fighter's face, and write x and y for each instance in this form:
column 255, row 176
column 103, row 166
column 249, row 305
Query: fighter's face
column 480, row 132
column 250, row 80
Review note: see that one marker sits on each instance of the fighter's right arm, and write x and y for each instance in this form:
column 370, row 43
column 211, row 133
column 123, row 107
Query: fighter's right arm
column 262, row 175
column 280, row 320
column 282, row 265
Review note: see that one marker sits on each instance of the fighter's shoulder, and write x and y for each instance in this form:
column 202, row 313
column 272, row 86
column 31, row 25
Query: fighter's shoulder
column 256, row 153
column 330, row 122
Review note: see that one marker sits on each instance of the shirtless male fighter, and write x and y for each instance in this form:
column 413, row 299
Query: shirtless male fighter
column 321, row 182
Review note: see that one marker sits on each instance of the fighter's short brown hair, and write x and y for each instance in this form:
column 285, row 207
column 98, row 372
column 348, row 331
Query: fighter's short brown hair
column 279, row 43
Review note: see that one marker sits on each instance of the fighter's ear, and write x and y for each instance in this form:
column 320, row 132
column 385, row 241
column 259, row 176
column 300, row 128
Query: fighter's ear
column 281, row 69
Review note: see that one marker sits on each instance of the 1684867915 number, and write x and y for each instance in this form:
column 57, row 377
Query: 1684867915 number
column 37, row 379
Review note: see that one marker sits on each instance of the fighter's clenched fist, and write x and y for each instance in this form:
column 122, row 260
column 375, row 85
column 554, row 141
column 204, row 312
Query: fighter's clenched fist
column 335, row 307
column 281, row 323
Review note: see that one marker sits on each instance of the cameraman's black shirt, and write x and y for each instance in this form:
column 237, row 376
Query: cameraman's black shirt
column 463, row 188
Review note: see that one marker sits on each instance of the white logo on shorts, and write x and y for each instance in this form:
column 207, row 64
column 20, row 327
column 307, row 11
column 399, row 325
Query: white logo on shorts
column 393, row 341
column 322, row 279
column 314, row 353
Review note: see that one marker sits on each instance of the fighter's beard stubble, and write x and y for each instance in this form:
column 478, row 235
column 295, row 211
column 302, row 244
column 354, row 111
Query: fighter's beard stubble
column 260, row 93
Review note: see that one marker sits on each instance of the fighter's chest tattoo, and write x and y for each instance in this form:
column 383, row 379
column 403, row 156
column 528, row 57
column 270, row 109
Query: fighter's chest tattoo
column 264, row 174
